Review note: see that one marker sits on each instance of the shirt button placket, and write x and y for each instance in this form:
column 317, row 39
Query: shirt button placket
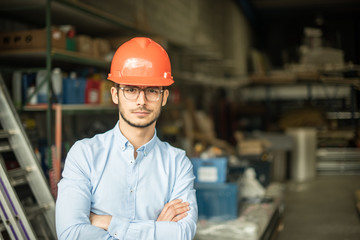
column 132, row 187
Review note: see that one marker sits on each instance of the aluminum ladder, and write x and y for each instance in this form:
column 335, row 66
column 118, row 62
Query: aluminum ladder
column 32, row 217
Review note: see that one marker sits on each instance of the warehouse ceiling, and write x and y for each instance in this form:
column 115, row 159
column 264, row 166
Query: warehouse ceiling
column 268, row 6
column 279, row 25
column 260, row 12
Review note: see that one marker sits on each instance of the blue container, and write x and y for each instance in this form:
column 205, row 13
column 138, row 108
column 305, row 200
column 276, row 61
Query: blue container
column 212, row 170
column 217, row 201
column 74, row 90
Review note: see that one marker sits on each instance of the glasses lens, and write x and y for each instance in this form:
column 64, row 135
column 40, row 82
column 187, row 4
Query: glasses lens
column 152, row 94
column 131, row 93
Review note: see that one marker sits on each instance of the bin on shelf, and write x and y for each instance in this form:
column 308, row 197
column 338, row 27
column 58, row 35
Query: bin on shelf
column 74, row 90
column 212, row 170
column 217, row 201
column 92, row 91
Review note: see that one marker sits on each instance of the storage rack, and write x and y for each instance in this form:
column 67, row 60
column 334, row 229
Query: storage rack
column 57, row 9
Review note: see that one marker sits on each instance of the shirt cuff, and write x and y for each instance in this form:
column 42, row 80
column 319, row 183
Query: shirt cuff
column 118, row 227
column 137, row 229
column 166, row 230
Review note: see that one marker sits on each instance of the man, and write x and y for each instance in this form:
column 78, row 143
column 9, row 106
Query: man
column 126, row 183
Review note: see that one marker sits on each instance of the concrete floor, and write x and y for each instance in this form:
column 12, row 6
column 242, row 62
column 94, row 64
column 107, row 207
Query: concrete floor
column 321, row 209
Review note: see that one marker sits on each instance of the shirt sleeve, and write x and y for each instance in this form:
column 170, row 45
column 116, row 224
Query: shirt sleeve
column 73, row 203
column 184, row 229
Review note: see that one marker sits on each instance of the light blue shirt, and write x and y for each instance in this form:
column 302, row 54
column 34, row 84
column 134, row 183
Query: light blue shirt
column 102, row 176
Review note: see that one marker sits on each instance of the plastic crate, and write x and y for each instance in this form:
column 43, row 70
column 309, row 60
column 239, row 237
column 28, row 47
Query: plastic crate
column 212, row 170
column 74, row 90
column 217, row 201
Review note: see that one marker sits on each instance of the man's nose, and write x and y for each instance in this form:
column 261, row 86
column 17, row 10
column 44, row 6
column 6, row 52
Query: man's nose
column 141, row 98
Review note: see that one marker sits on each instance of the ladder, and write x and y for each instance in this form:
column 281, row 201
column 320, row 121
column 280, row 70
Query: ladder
column 30, row 215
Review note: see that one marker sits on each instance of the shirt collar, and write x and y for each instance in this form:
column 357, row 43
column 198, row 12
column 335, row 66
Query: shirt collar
column 124, row 142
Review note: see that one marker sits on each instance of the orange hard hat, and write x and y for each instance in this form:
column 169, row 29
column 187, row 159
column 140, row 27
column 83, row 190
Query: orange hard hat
column 141, row 61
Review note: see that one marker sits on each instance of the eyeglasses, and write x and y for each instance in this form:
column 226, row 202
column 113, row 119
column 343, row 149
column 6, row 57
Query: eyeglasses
column 152, row 94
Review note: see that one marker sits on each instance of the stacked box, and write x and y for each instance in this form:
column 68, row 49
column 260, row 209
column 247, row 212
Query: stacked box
column 31, row 39
column 217, row 201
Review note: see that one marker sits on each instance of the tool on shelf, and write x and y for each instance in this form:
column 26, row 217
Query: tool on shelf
column 27, row 208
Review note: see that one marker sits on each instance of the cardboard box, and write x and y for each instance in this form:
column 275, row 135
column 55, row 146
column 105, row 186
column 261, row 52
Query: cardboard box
column 85, row 45
column 101, row 47
column 31, row 39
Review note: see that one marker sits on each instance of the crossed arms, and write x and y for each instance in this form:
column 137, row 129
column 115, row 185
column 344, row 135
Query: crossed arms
column 75, row 202
column 173, row 211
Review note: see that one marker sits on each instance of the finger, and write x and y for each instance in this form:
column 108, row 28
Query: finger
column 181, row 205
column 164, row 214
column 173, row 212
column 170, row 205
column 174, row 202
column 179, row 217
column 181, row 210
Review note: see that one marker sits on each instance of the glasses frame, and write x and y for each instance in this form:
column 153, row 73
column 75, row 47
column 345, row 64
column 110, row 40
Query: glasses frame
column 141, row 89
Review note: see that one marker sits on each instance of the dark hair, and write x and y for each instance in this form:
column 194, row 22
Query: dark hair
column 117, row 86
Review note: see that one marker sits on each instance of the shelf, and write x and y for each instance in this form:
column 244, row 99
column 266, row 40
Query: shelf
column 343, row 115
column 87, row 19
column 73, row 108
column 320, row 80
column 59, row 56
column 70, row 107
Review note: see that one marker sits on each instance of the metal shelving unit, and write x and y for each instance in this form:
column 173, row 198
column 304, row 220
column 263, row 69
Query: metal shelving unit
column 58, row 56
column 338, row 161
column 49, row 12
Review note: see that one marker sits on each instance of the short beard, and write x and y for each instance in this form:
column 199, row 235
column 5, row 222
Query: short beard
column 136, row 125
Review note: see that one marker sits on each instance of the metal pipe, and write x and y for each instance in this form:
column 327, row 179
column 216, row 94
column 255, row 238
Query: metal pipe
column 48, row 78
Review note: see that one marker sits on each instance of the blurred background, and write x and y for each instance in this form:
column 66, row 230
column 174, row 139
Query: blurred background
column 265, row 103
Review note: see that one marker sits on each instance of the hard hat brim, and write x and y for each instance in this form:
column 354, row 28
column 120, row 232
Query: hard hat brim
column 142, row 81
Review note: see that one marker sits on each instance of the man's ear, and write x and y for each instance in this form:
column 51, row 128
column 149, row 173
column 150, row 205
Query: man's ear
column 114, row 95
column 165, row 97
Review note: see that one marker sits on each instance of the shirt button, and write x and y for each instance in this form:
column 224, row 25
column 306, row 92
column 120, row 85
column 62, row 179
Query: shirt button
column 122, row 147
column 131, row 191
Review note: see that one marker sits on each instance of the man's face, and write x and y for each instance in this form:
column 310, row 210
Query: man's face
column 140, row 112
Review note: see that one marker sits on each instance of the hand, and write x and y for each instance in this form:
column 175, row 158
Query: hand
column 174, row 211
column 101, row 221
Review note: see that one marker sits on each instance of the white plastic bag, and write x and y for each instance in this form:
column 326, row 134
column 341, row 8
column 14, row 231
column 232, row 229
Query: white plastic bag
column 249, row 186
